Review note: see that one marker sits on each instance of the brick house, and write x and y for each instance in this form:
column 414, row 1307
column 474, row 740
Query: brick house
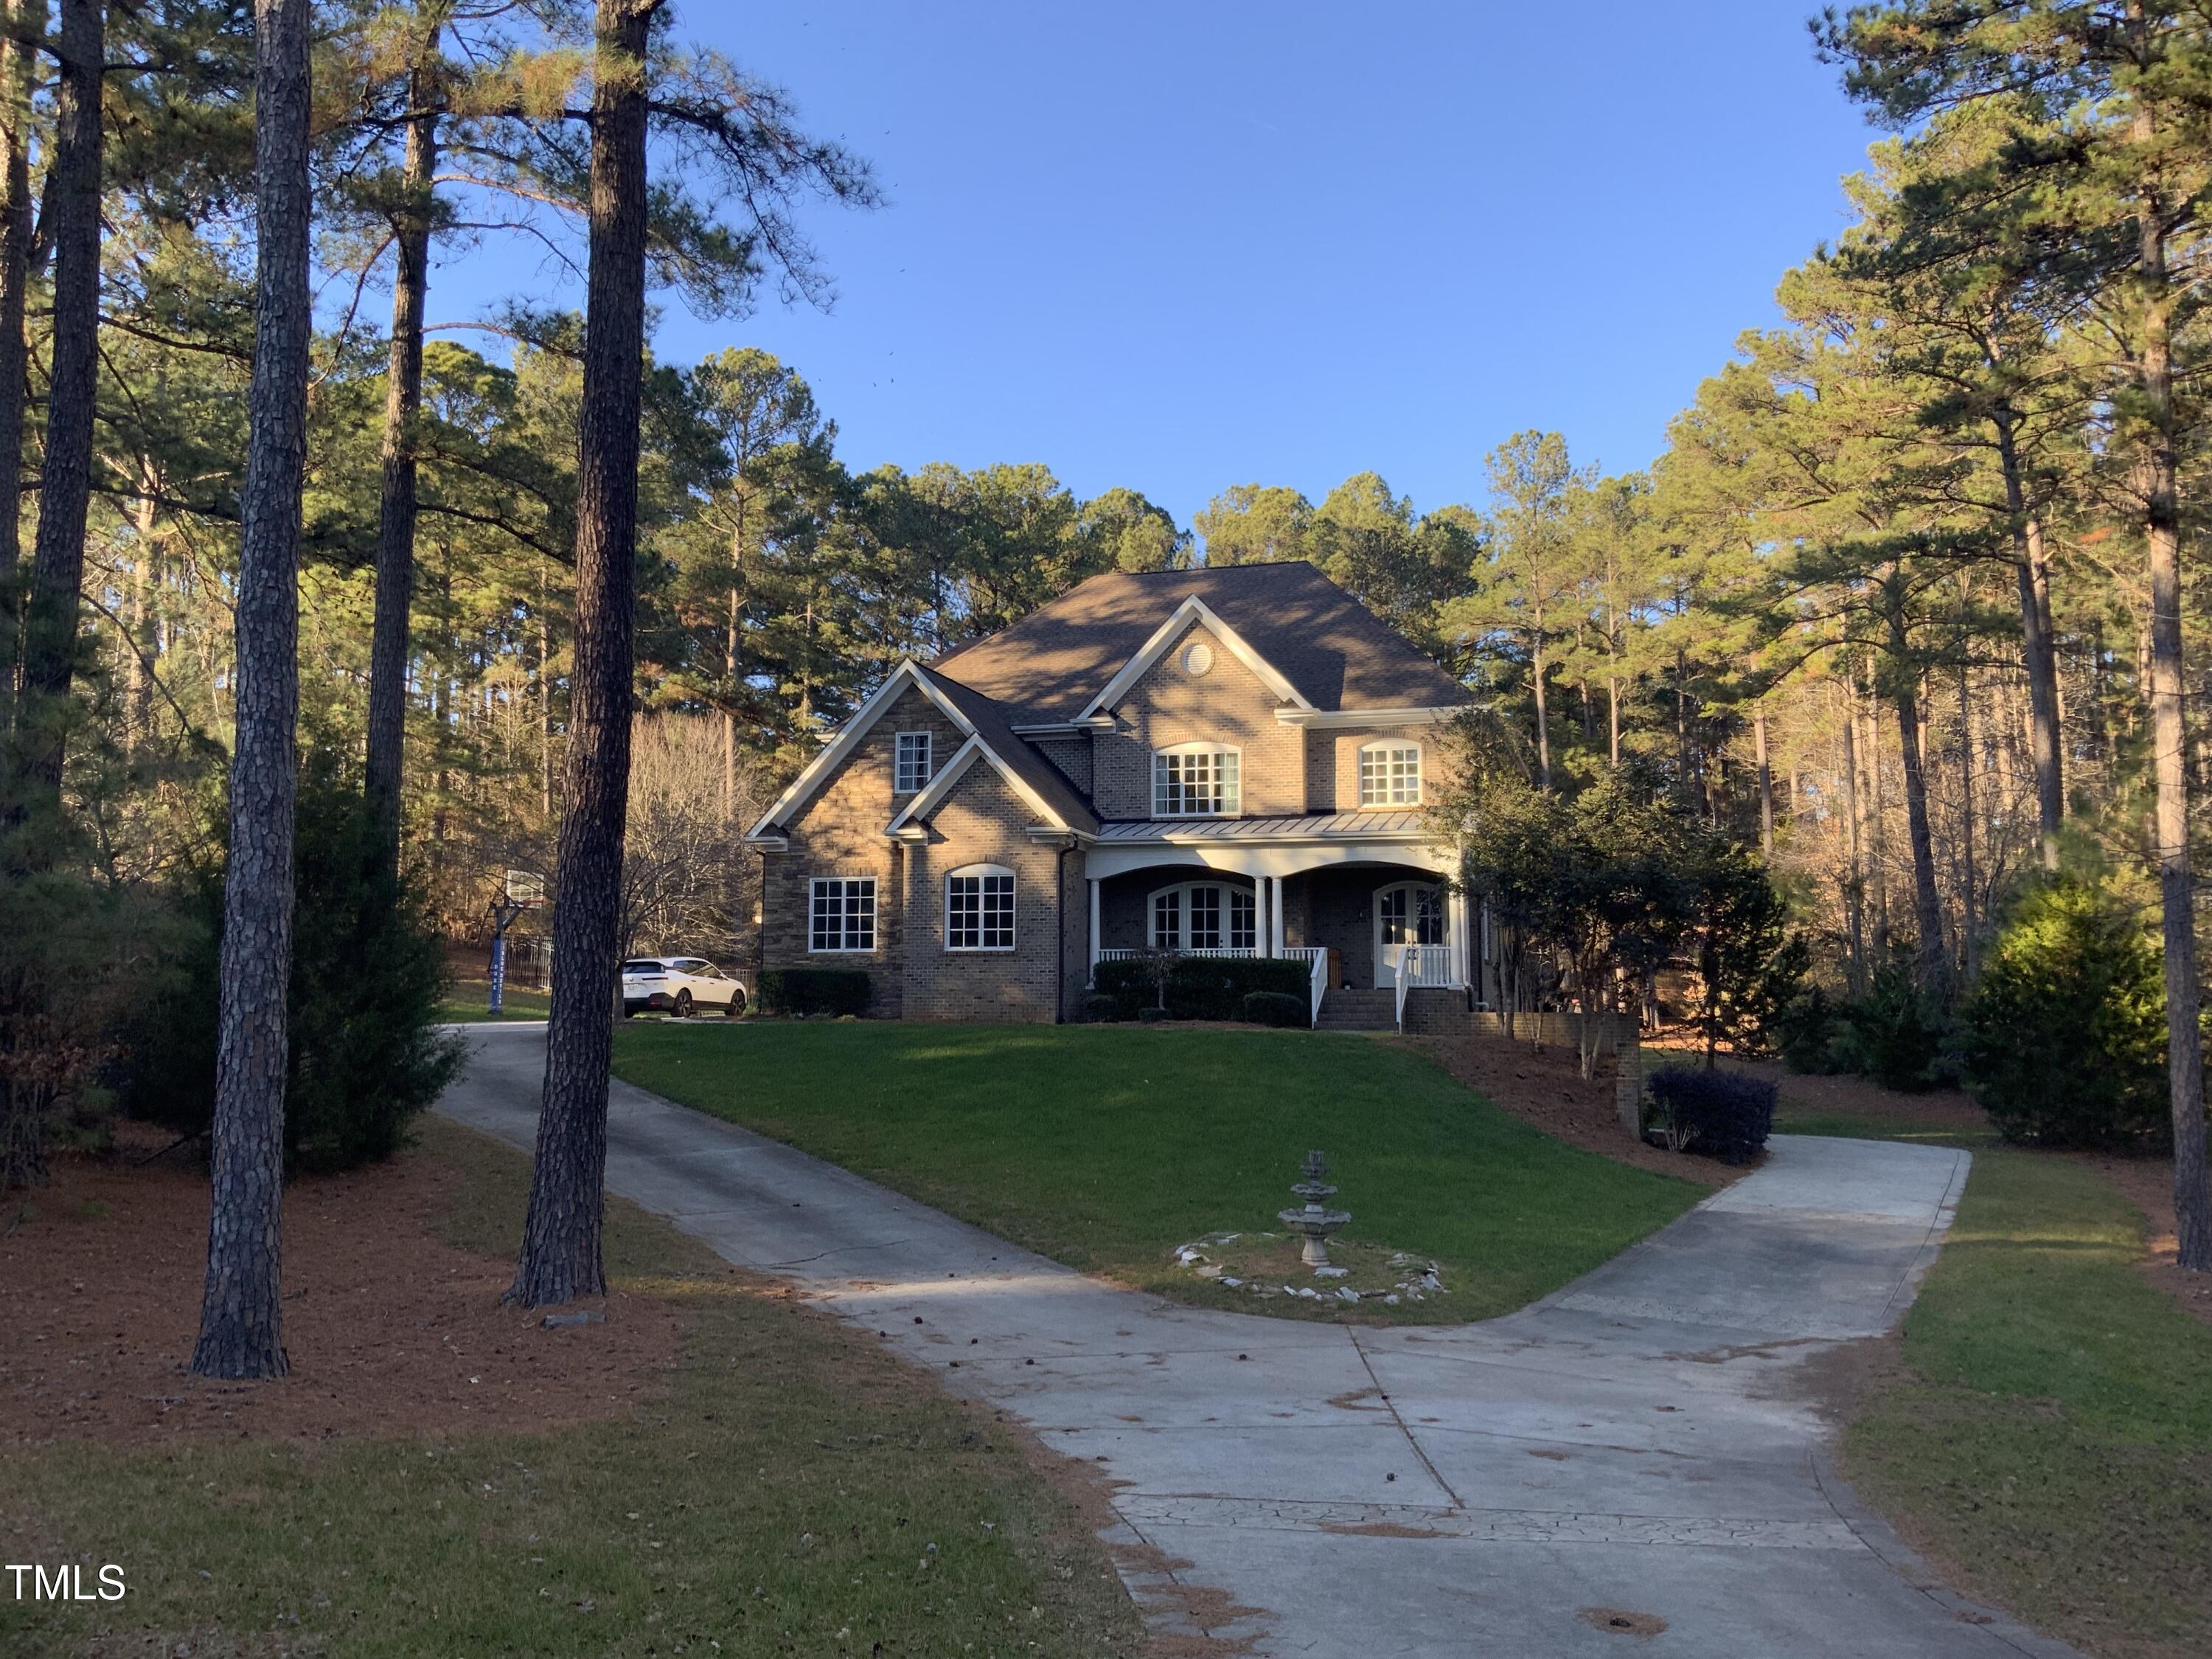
column 1224, row 762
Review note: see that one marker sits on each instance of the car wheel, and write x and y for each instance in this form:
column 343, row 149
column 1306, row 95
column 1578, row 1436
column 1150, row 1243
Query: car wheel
column 683, row 1005
column 735, row 1005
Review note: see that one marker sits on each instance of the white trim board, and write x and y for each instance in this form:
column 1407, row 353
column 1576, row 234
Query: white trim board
column 915, row 812
column 1327, row 718
column 817, row 770
column 1192, row 609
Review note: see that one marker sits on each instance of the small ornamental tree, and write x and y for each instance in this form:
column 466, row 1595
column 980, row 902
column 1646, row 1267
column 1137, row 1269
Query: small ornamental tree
column 2064, row 1035
column 1750, row 965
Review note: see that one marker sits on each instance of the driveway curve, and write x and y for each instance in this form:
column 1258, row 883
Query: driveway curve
column 1633, row 1465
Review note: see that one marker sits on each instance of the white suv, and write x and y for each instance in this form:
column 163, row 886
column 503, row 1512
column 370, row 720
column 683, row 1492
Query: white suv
column 677, row 985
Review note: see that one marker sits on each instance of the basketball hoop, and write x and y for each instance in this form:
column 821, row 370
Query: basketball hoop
column 523, row 889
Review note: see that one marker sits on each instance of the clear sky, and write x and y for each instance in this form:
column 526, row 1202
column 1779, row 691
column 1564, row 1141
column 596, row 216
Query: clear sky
column 1178, row 246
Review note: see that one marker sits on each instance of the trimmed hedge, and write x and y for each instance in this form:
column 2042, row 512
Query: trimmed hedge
column 813, row 990
column 1721, row 1115
column 1278, row 1008
column 1199, row 987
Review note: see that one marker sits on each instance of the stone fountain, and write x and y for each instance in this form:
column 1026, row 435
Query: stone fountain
column 1315, row 1222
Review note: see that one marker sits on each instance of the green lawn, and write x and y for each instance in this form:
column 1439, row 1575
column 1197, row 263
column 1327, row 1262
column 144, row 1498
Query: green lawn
column 2048, row 1435
column 469, row 1002
column 1107, row 1146
column 802, row 1492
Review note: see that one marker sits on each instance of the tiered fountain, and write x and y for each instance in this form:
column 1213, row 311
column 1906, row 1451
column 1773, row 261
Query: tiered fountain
column 1315, row 1222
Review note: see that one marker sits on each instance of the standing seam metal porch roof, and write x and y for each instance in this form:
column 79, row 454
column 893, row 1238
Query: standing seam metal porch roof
column 1345, row 826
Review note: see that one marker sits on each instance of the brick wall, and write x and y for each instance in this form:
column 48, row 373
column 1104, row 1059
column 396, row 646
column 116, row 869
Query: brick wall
column 983, row 821
column 1169, row 705
column 841, row 833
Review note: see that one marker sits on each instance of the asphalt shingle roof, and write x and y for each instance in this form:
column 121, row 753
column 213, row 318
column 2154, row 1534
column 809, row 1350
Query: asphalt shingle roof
column 1338, row 654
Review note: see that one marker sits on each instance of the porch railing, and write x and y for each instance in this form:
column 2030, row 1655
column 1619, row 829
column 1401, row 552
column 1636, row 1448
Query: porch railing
column 1422, row 964
column 1314, row 956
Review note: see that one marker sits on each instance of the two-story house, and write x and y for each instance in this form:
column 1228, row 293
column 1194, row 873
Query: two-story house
column 1231, row 761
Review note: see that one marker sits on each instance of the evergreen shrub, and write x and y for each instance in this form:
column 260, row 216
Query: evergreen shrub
column 1198, row 987
column 1722, row 1115
column 1277, row 1008
column 2064, row 1037
column 812, row 991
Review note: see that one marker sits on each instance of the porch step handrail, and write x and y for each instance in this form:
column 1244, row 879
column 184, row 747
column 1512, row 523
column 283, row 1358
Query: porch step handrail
column 1422, row 964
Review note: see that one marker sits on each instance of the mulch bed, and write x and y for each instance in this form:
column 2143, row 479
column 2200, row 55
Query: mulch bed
column 390, row 1330
column 1545, row 1088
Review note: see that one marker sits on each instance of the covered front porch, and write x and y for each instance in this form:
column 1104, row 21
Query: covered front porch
column 1367, row 912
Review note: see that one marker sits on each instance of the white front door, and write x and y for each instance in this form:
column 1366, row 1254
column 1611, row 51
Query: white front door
column 1407, row 913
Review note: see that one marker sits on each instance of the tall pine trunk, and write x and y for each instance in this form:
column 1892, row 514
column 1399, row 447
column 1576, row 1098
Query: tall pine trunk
column 18, row 66
column 561, row 1254
column 2155, row 468
column 1543, row 719
column 1927, row 902
column 2038, row 651
column 241, row 1323
column 1854, row 818
column 1765, row 783
column 403, row 403
column 49, row 636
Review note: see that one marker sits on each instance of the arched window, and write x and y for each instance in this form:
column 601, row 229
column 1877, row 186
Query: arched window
column 1204, row 916
column 1390, row 773
column 1197, row 781
column 979, row 908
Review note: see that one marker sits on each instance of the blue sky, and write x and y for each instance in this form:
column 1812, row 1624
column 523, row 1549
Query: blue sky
column 1180, row 246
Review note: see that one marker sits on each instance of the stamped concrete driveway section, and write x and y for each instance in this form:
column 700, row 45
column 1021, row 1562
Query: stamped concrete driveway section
column 1638, row 1447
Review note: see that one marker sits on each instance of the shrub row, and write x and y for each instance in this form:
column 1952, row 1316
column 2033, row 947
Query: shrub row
column 813, row 990
column 1722, row 1115
column 1198, row 987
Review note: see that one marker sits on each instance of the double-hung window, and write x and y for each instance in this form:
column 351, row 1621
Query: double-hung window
column 979, row 908
column 842, row 914
column 912, row 763
column 1196, row 781
column 1390, row 775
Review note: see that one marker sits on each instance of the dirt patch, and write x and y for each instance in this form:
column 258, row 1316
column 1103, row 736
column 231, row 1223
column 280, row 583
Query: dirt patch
column 1545, row 1088
column 390, row 1330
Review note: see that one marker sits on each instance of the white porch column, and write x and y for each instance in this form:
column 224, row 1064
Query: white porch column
column 1093, row 885
column 1271, row 944
column 1276, row 923
column 1455, row 930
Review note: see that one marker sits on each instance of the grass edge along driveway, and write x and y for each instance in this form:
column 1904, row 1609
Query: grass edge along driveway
column 798, row 1491
column 1105, row 1146
column 2042, row 1430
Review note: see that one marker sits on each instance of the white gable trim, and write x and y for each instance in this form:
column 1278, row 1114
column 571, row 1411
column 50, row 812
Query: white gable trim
column 1327, row 718
column 911, row 816
column 809, row 782
column 1192, row 609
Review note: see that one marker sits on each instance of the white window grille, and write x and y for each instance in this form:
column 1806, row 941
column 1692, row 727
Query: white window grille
column 1390, row 775
column 1196, row 781
column 913, row 766
column 979, row 909
column 844, row 914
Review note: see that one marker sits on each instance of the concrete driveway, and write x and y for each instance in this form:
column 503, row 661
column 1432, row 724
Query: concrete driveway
column 1631, row 1465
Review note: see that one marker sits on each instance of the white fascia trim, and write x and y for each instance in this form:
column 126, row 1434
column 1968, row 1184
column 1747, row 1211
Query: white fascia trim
column 818, row 769
column 1054, row 729
column 1191, row 609
column 923, row 805
column 1327, row 718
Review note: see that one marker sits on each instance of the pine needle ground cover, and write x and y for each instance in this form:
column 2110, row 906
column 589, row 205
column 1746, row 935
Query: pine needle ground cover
column 1106, row 1147
column 2043, row 1432
column 785, row 1488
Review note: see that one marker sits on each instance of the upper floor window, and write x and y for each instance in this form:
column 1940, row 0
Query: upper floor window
column 844, row 914
column 912, row 763
column 979, row 908
column 1390, row 775
column 1196, row 781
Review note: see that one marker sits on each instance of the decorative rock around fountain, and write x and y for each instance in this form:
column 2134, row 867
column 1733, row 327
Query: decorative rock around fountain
column 1315, row 1223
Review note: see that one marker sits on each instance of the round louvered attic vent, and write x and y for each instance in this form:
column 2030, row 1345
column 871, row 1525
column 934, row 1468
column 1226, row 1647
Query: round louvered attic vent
column 1197, row 657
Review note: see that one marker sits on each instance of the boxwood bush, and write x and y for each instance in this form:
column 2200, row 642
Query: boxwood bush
column 1198, row 987
column 1722, row 1115
column 813, row 990
column 1278, row 1008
